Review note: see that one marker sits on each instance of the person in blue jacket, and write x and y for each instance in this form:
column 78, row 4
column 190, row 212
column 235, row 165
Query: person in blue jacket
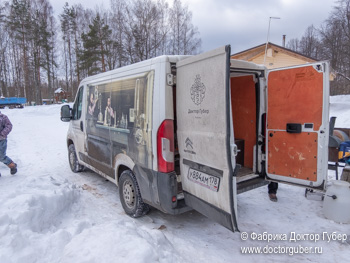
column 5, row 129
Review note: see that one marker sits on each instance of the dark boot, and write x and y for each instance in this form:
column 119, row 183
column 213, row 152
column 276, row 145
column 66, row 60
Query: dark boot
column 273, row 197
column 13, row 167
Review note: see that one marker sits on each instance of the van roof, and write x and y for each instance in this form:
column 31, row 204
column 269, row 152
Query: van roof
column 134, row 67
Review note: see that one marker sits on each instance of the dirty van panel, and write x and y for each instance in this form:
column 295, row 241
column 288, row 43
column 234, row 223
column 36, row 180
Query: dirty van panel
column 297, row 161
column 118, row 118
column 203, row 121
column 297, row 125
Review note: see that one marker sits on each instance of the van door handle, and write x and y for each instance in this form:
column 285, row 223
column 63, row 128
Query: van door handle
column 81, row 126
column 293, row 127
column 234, row 150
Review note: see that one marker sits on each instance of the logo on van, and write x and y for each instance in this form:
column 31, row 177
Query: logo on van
column 189, row 146
column 197, row 91
column 189, row 143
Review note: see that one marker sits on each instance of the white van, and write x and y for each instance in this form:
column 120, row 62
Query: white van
column 180, row 133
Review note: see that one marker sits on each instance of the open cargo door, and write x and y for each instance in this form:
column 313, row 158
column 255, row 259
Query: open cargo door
column 205, row 135
column 297, row 125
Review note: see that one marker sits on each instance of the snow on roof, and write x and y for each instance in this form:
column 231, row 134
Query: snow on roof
column 59, row 90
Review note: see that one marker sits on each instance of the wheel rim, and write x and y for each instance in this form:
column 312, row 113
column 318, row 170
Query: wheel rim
column 129, row 194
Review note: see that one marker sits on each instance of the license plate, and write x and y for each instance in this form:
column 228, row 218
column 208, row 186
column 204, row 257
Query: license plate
column 209, row 181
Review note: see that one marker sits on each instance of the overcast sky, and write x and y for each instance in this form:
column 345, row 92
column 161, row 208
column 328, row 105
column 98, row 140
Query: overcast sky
column 243, row 23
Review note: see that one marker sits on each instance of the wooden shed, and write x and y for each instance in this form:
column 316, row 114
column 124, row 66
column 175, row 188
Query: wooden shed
column 60, row 95
column 276, row 56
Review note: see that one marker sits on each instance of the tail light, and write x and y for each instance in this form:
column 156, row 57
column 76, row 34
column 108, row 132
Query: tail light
column 165, row 147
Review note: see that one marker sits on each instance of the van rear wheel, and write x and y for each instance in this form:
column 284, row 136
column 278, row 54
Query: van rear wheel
column 73, row 160
column 130, row 195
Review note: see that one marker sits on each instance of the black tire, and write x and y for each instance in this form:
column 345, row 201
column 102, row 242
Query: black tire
column 130, row 195
column 73, row 160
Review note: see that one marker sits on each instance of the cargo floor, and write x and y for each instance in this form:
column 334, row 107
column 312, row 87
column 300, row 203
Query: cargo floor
column 244, row 171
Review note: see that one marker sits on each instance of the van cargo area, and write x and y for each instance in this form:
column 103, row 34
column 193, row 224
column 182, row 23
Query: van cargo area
column 247, row 124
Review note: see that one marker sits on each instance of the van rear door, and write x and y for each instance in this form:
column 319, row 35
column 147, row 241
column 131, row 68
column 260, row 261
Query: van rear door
column 205, row 137
column 298, row 125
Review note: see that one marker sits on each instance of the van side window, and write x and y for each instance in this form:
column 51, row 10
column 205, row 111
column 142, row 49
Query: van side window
column 77, row 107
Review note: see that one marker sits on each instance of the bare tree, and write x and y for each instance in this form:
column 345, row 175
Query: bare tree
column 19, row 23
column 293, row 44
column 335, row 39
column 330, row 42
column 145, row 29
column 4, row 81
column 309, row 44
column 141, row 30
column 33, row 54
column 184, row 37
column 117, row 21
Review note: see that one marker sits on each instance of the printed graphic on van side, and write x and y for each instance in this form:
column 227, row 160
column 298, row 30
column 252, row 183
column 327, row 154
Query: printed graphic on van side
column 118, row 116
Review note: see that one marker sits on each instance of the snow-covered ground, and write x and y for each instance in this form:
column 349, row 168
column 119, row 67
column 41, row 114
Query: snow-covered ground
column 340, row 107
column 49, row 214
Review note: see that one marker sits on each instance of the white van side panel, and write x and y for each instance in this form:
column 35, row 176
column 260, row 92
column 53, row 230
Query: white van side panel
column 163, row 103
column 158, row 108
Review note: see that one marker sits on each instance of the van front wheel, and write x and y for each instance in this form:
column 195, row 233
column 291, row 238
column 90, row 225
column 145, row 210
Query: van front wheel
column 130, row 195
column 73, row 160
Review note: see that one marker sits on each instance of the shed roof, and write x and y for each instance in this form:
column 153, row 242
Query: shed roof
column 255, row 51
column 59, row 90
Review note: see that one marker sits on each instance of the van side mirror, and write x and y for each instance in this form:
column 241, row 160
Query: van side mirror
column 66, row 114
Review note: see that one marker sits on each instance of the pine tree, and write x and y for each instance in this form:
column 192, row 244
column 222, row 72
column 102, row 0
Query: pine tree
column 96, row 41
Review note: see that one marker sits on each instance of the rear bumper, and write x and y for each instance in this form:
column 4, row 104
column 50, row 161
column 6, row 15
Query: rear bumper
column 158, row 189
